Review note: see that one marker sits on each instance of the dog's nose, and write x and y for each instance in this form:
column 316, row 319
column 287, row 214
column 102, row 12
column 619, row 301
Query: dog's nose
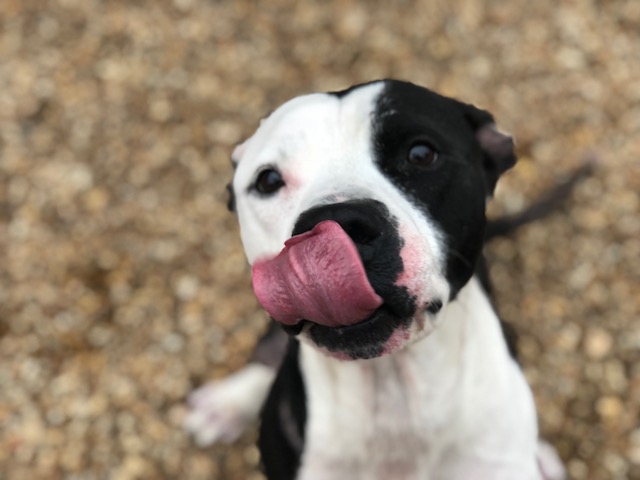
column 364, row 220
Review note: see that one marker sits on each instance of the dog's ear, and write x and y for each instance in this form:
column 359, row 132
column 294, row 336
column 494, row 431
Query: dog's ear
column 497, row 147
column 231, row 198
column 237, row 153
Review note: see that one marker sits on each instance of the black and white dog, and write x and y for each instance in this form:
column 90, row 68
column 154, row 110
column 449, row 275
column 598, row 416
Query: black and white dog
column 398, row 367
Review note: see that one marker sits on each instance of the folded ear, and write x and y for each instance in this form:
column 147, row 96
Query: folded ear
column 231, row 198
column 497, row 147
column 237, row 153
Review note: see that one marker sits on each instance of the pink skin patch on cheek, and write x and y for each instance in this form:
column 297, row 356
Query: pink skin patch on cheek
column 414, row 276
column 342, row 356
column 291, row 183
column 412, row 261
column 397, row 339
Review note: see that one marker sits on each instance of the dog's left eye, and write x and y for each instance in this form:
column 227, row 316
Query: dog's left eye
column 269, row 181
column 422, row 155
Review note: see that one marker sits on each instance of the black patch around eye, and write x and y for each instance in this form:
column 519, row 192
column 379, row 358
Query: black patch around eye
column 231, row 199
column 269, row 181
column 455, row 197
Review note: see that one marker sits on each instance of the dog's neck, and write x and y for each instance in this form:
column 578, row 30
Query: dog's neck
column 414, row 398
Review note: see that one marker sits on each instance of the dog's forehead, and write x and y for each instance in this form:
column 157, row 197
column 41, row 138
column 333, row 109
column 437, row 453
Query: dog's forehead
column 317, row 119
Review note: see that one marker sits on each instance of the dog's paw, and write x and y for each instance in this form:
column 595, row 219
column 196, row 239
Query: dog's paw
column 221, row 410
column 549, row 461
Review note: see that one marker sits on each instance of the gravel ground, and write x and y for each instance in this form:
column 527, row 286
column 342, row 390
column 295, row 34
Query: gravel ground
column 122, row 282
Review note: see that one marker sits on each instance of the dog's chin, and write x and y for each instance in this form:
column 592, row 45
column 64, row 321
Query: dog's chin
column 379, row 334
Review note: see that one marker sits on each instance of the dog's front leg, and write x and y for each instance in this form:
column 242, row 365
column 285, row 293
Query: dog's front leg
column 223, row 409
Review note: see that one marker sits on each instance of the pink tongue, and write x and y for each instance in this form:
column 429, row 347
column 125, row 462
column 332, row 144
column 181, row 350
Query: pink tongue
column 318, row 276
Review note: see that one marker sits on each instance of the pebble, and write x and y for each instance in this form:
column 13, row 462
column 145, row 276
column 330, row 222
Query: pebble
column 634, row 447
column 610, row 408
column 598, row 343
column 187, row 287
column 568, row 337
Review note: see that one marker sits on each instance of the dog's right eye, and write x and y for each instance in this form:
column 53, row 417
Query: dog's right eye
column 269, row 181
column 422, row 154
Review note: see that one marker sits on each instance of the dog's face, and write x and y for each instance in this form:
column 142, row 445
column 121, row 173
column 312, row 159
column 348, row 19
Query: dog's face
column 386, row 178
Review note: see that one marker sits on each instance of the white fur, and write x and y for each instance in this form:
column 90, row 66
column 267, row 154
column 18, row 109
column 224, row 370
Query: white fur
column 221, row 410
column 452, row 406
column 321, row 145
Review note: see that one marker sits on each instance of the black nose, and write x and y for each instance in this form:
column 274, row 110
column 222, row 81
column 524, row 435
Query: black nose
column 364, row 220
column 374, row 232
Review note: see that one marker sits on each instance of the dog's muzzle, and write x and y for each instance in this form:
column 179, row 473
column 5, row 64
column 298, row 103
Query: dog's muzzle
column 336, row 277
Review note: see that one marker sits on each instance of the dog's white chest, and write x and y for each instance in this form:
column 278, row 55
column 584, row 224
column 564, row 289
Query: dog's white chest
column 366, row 419
column 451, row 406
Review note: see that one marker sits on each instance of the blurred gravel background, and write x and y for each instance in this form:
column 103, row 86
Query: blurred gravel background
column 122, row 281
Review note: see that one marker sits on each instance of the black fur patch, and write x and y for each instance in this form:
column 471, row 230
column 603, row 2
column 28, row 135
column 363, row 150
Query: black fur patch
column 283, row 418
column 453, row 190
column 231, row 199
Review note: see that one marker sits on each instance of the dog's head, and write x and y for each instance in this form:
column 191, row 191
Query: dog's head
column 383, row 189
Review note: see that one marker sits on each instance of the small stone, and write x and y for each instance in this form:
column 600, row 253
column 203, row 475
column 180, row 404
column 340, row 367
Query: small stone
column 173, row 342
column 160, row 110
column 134, row 466
column 616, row 465
column 183, row 5
column 187, row 287
column 96, row 199
column 616, row 376
column 578, row 469
column 598, row 343
column 610, row 408
column 568, row 337
column 99, row 335
column 252, row 455
column 224, row 132
column 634, row 447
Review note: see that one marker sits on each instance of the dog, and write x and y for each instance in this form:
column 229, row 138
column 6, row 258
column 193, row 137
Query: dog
column 362, row 214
